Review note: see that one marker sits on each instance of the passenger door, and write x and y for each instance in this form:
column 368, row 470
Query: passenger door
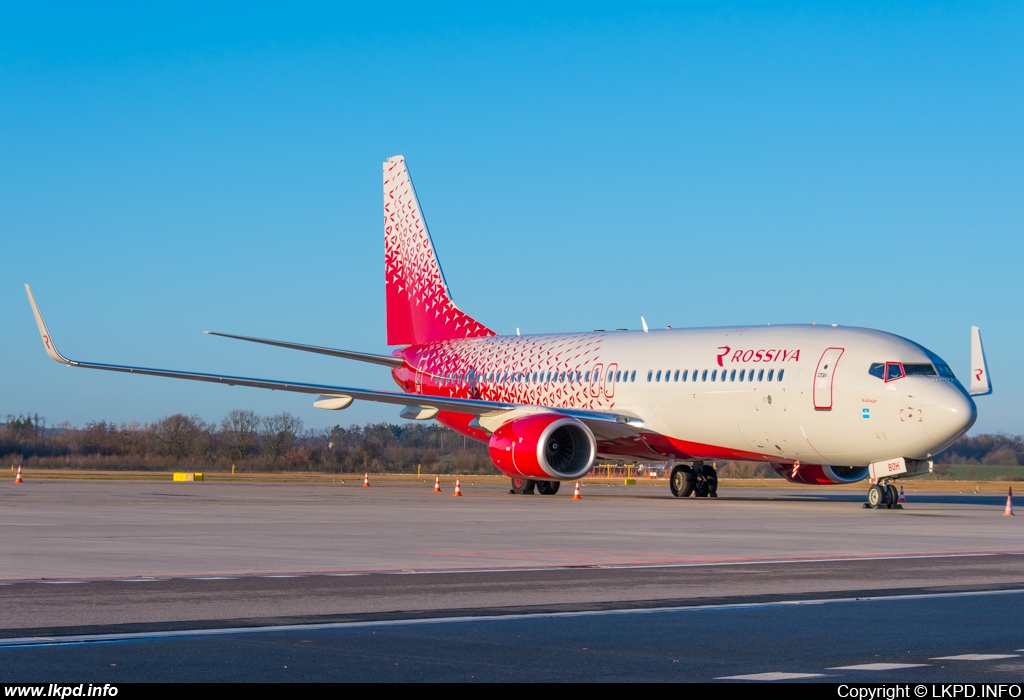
column 823, row 376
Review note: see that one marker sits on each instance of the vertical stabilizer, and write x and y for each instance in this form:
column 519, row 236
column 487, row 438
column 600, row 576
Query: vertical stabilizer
column 418, row 306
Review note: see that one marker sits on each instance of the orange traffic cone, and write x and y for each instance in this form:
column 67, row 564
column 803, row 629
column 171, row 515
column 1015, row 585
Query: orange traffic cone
column 17, row 478
column 437, row 484
column 366, row 479
column 1009, row 503
column 903, row 498
column 576, row 494
column 458, row 488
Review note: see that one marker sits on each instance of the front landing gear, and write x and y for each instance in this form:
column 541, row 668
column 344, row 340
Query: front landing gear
column 883, row 495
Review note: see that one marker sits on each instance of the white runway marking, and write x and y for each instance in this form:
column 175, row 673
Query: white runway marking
column 875, row 667
column 136, row 636
column 975, row 657
column 772, row 676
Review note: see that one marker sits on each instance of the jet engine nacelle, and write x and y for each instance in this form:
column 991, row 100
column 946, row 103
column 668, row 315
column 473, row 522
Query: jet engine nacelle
column 543, row 446
column 820, row 473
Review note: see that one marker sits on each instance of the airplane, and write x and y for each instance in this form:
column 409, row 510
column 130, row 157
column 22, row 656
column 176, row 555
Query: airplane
column 822, row 404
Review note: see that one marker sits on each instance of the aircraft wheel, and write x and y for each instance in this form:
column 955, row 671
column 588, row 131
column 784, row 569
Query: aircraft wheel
column 876, row 496
column 703, row 480
column 548, row 488
column 522, row 486
column 681, row 481
column 894, row 496
column 711, row 475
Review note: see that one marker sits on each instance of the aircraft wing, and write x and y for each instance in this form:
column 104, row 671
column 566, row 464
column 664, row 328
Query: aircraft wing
column 387, row 360
column 477, row 407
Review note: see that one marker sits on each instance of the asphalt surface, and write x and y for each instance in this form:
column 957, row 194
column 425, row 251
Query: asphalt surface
column 331, row 582
column 884, row 641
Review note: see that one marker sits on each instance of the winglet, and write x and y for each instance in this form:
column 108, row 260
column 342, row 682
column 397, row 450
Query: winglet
column 981, row 383
column 47, row 339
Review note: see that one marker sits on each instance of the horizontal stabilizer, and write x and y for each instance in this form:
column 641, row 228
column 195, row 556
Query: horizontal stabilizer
column 981, row 383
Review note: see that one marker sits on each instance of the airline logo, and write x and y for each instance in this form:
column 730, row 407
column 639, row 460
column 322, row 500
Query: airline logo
column 758, row 355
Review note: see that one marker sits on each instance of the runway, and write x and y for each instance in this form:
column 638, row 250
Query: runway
column 150, row 558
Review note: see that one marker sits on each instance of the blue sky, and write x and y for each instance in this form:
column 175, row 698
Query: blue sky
column 165, row 171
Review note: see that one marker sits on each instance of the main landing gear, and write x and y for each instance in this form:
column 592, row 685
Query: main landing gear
column 522, row 486
column 883, row 495
column 701, row 480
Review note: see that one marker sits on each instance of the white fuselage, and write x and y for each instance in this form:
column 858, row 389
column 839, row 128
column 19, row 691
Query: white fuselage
column 768, row 392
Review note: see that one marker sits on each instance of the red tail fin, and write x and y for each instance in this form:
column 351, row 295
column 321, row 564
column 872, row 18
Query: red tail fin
column 419, row 308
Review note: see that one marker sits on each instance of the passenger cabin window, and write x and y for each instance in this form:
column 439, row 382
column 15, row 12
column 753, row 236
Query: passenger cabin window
column 760, row 376
column 650, row 374
column 781, row 372
column 770, row 373
column 704, row 377
column 714, row 375
column 632, row 377
column 732, row 376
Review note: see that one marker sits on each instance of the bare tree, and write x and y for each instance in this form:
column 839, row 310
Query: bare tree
column 180, row 435
column 239, row 431
column 278, row 434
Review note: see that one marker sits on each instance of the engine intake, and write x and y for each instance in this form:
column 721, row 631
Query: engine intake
column 820, row 473
column 543, row 446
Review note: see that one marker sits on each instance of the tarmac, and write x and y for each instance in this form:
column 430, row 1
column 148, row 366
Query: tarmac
column 92, row 557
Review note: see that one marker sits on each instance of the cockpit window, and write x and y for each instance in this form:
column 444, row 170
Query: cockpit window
column 945, row 371
column 896, row 370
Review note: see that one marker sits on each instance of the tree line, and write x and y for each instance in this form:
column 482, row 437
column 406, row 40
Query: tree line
column 243, row 439
column 248, row 441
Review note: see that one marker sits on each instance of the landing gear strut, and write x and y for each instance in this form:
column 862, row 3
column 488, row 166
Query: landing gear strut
column 701, row 480
column 883, row 495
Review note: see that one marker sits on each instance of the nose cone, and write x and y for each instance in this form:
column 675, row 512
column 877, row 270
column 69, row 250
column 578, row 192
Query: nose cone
column 947, row 411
